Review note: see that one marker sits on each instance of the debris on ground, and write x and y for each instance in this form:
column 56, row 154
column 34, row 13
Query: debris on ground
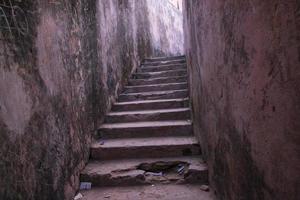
column 204, row 188
column 181, row 169
column 154, row 173
column 101, row 142
column 85, row 185
column 161, row 166
column 164, row 171
column 78, row 196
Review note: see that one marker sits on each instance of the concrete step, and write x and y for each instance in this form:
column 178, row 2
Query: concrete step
column 156, row 87
column 171, row 94
column 162, row 68
column 164, row 58
column 146, row 129
column 151, row 104
column 128, row 172
column 148, row 115
column 151, row 75
column 175, row 79
column 145, row 147
column 167, row 62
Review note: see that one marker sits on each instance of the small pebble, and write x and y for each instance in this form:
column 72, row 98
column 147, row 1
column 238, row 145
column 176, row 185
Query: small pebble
column 204, row 188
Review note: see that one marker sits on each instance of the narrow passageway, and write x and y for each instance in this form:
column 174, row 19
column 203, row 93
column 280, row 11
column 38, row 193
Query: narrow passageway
column 147, row 140
column 149, row 100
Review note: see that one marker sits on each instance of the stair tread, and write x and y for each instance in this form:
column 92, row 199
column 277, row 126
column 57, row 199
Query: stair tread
column 153, row 92
column 165, row 65
column 150, row 101
column 143, row 142
column 161, row 68
column 160, row 72
column 148, row 111
column 164, row 62
column 165, row 58
column 147, row 124
column 154, row 85
column 107, row 166
column 159, row 78
column 148, row 81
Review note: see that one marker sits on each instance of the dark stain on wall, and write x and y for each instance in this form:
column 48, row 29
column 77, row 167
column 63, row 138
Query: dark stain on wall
column 17, row 26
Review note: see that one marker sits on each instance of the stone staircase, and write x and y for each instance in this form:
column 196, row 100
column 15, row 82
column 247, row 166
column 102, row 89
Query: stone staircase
column 147, row 138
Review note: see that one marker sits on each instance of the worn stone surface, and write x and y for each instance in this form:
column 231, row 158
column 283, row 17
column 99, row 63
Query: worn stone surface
column 145, row 171
column 148, row 115
column 160, row 74
column 163, row 80
column 145, row 147
column 163, row 192
column 156, row 87
column 166, row 62
column 58, row 77
column 243, row 60
column 161, row 125
column 169, row 94
column 151, row 104
column 162, row 68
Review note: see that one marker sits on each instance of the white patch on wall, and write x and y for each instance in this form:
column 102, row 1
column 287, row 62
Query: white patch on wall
column 177, row 4
column 107, row 19
column 15, row 105
column 166, row 27
column 50, row 63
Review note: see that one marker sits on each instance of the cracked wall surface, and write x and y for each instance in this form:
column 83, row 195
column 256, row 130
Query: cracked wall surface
column 57, row 81
column 243, row 60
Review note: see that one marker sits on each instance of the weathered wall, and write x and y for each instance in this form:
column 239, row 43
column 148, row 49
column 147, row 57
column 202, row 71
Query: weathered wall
column 120, row 44
column 165, row 23
column 56, row 83
column 243, row 60
column 46, row 96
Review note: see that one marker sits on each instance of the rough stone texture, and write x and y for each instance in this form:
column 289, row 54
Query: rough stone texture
column 146, row 171
column 56, row 83
column 243, row 60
